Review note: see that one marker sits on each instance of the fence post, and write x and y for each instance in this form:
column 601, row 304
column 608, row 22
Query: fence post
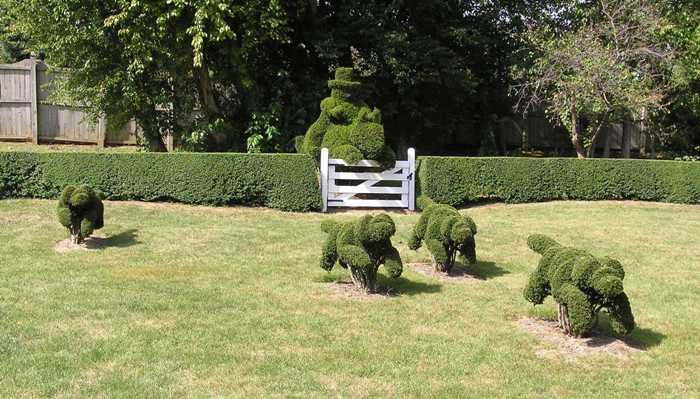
column 34, row 110
column 101, row 131
column 324, row 179
column 412, row 181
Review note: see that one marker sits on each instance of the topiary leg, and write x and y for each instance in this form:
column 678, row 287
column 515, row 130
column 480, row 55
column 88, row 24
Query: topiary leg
column 576, row 312
column 414, row 242
column 363, row 272
column 468, row 251
column 537, row 288
column 621, row 317
column 441, row 258
column 329, row 253
column 392, row 262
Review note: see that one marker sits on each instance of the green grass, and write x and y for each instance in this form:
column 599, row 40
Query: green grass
column 200, row 302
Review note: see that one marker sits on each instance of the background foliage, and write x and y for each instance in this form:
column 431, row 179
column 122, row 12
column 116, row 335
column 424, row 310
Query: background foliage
column 249, row 75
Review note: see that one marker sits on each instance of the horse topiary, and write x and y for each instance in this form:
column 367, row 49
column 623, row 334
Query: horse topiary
column 362, row 246
column 445, row 232
column 347, row 126
column 581, row 284
column 80, row 209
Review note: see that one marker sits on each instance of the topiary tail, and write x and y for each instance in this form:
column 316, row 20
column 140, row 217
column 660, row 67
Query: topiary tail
column 424, row 202
column 540, row 243
column 328, row 226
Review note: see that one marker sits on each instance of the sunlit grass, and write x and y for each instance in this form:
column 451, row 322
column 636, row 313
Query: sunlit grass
column 198, row 302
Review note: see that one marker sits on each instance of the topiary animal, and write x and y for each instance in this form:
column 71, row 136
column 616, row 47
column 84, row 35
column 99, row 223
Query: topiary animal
column 347, row 126
column 362, row 246
column 80, row 209
column 581, row 284
column 445, row 232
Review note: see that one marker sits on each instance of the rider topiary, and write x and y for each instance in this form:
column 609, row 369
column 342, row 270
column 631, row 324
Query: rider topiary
column 347, row 126
column 581, row 284
column 80, row 210
column 445, row 232
column 362, row 246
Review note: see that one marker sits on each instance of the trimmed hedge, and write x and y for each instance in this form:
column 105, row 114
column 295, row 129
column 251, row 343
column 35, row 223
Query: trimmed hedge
column 283, row 181
column 458, row 181
column 289, row 182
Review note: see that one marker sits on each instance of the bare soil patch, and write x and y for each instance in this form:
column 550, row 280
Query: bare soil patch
column 93, row 242
column 571, row 348
column 346, row 289
column 458, row 273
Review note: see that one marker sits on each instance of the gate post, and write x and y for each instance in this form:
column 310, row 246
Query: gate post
column 412, row 181
column 324, row 179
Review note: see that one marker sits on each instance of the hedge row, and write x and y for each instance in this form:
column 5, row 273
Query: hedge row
column 458, row 181
column 289, row 182
column 283, row 181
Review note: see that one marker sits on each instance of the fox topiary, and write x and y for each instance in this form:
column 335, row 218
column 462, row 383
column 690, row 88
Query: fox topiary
column 581, row 284
column 81, row 211
column 362, row 246
column 445, row 232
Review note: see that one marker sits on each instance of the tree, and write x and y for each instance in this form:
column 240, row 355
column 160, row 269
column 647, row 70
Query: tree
column 362, row 246
column 445, row 233
column 612, row 63
column 581, row 284
column 347, row 126
column 682, row 123
column 80, row 210
column 160, row 62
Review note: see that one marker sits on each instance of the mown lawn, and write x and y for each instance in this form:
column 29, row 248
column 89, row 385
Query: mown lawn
column 199, row 302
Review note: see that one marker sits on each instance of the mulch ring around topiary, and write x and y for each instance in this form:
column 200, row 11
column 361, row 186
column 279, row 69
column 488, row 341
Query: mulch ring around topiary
column 94, row 242
column 346, row 289
column 458, row 273
column 571, row 348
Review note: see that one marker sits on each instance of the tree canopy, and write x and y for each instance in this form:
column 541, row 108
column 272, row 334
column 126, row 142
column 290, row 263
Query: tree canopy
column 249, row 75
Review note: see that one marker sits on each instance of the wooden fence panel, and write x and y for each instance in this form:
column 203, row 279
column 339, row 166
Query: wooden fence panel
column 66, row 123
column 15, row 102
column 29, row 112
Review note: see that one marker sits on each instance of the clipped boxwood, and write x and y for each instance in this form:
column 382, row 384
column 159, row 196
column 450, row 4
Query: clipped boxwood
column 457, row 181
column 283, row 181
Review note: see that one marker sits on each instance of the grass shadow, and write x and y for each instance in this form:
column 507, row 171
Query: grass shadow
column 404, row 286
column 390, row 286
column 482, row 270
column 126, row 238
column 639, row 338
column 644, row 338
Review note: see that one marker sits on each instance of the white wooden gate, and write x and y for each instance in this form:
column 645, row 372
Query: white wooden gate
column 391, row 188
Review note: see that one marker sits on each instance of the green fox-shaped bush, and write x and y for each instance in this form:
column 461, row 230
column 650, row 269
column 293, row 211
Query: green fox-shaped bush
column 581, row 284
column 362, row 246
column 81, row 211
column 445, row 232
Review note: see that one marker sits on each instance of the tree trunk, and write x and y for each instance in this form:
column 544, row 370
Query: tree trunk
column 449, row 263
column 74, row 230
column 205, row 90
column 575, row 135
column 365, row 279
column 626, row 139
column 606, row 144
column 564, row 322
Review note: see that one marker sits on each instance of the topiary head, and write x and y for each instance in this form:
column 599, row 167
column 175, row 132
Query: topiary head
column 540, row 243
column 81, row 197
column 607, row 282
column 461, row 232
column 375, row 229
column 345, row 85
